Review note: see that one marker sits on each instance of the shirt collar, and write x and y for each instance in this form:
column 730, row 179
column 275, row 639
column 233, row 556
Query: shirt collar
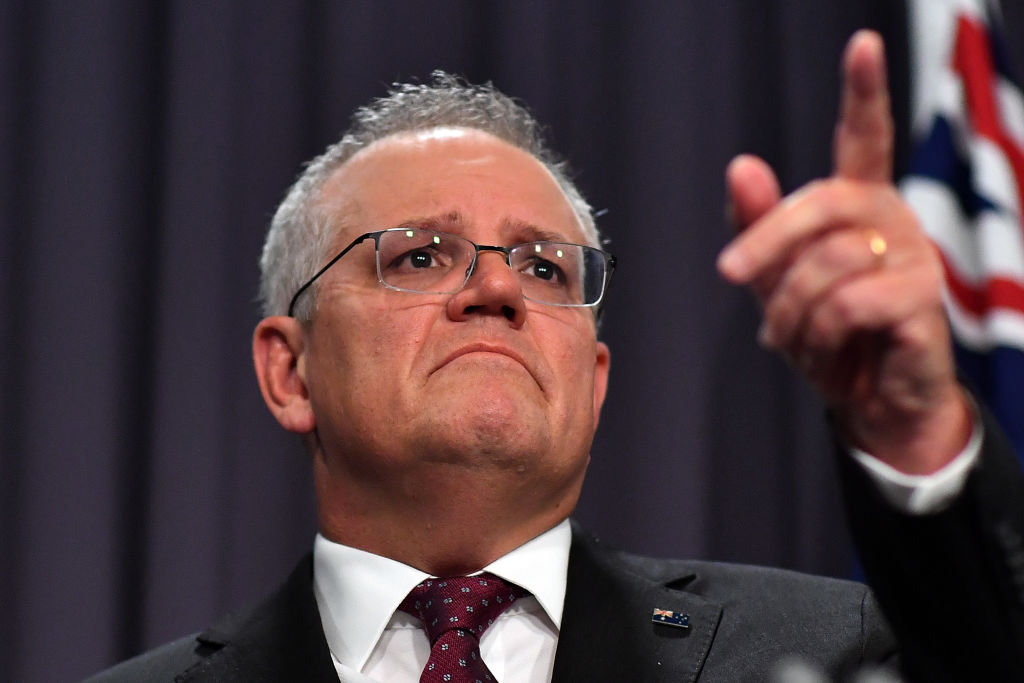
column 357, row 592
column 540, row 566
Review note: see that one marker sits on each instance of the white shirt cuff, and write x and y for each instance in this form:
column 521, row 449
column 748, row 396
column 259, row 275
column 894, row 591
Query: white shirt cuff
column 923, row 494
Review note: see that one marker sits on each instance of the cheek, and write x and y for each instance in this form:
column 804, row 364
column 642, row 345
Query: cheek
column 574, row 363
column 384, row 341
column 399, row 327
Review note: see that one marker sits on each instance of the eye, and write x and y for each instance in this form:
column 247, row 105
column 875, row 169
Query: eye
column 419, row 259
column 538, row 268
column 545, row 270
column 551, row 264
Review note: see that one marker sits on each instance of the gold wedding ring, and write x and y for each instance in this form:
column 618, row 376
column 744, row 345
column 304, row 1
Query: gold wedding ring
column 877, row 244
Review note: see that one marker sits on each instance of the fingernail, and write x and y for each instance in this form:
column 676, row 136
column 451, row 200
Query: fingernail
column 731, row 264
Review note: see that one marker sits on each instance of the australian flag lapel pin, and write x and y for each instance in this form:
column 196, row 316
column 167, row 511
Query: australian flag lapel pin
column 666, row 616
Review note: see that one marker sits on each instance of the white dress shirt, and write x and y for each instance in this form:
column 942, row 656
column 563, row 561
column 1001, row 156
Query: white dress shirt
column 921, row 494
column 358, row 594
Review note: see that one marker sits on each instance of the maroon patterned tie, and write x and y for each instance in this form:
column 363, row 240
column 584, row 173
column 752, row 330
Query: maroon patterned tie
column 455, row 612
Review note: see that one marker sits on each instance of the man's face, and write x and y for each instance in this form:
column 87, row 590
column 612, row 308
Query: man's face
column 409, row 389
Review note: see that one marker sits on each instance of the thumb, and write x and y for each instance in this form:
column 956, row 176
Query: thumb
column 753, row 190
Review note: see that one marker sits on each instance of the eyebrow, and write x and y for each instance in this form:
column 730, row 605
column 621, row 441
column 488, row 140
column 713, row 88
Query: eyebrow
column 528, row 232
column 438, row 222
column 521, row 231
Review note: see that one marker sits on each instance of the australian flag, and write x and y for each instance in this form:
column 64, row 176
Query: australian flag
column 966, row 184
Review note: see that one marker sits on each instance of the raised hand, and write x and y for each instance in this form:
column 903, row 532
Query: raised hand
column 850, row 284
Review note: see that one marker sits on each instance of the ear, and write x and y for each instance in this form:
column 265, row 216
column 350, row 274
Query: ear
column 278, row 351
column 602, row 365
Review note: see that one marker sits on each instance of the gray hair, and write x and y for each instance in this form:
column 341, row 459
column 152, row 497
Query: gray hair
column 300, row 233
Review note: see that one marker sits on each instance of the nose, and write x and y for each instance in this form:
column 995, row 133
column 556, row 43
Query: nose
column 492, row 289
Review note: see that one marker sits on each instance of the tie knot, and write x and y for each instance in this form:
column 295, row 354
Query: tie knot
column 464, row 603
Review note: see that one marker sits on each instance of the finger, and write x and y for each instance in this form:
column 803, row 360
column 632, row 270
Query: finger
column 753, row 189
column 849, row 374
column 846, row 340
column 879, row 302
column 753, row 192
column 817, row 208
column 823, row 265
column 863, row 144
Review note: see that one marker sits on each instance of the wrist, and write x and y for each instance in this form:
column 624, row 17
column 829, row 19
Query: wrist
column 916, row 442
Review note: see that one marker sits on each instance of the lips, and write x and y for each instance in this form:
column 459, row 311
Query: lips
column 483, row 347
column 492, row 348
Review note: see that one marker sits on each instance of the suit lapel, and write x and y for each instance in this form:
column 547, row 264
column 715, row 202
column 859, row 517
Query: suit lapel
column 282, row 639
column 607, row 633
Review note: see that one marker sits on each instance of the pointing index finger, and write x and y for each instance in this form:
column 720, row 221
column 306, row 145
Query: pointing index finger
column 863, row 144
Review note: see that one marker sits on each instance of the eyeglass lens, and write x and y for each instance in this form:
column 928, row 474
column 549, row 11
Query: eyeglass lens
column 418, row 260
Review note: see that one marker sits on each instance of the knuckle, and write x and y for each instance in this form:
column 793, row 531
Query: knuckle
column 818, row 331
column 779, row 319
column 814, row 336
column 820, row 191
column 799, row 288
column 844, row 306
column 833, row 320
column 837, row 250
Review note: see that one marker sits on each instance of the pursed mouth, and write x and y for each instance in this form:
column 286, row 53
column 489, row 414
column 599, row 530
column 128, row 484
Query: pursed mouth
column 488, row 349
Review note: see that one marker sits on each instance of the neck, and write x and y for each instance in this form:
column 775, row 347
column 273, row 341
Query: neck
column 453, row 530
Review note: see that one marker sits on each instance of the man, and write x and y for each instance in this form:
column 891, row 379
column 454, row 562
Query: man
column 431, row 285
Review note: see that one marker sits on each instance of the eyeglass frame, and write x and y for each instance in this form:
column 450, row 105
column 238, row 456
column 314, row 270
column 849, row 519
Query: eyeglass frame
column 609, row 260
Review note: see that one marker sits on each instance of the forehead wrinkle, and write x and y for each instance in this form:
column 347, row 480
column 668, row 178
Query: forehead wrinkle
column 513, row 230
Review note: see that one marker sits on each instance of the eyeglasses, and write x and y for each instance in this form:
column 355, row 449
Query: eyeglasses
column 428, row 262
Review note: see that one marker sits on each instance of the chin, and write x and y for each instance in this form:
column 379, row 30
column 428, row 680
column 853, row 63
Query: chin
column 490, row 430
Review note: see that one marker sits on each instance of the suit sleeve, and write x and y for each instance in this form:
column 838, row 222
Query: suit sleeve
column 950, row 583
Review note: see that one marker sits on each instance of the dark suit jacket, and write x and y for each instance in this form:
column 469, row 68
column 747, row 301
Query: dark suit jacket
column 951, row 583
column 742, row 620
